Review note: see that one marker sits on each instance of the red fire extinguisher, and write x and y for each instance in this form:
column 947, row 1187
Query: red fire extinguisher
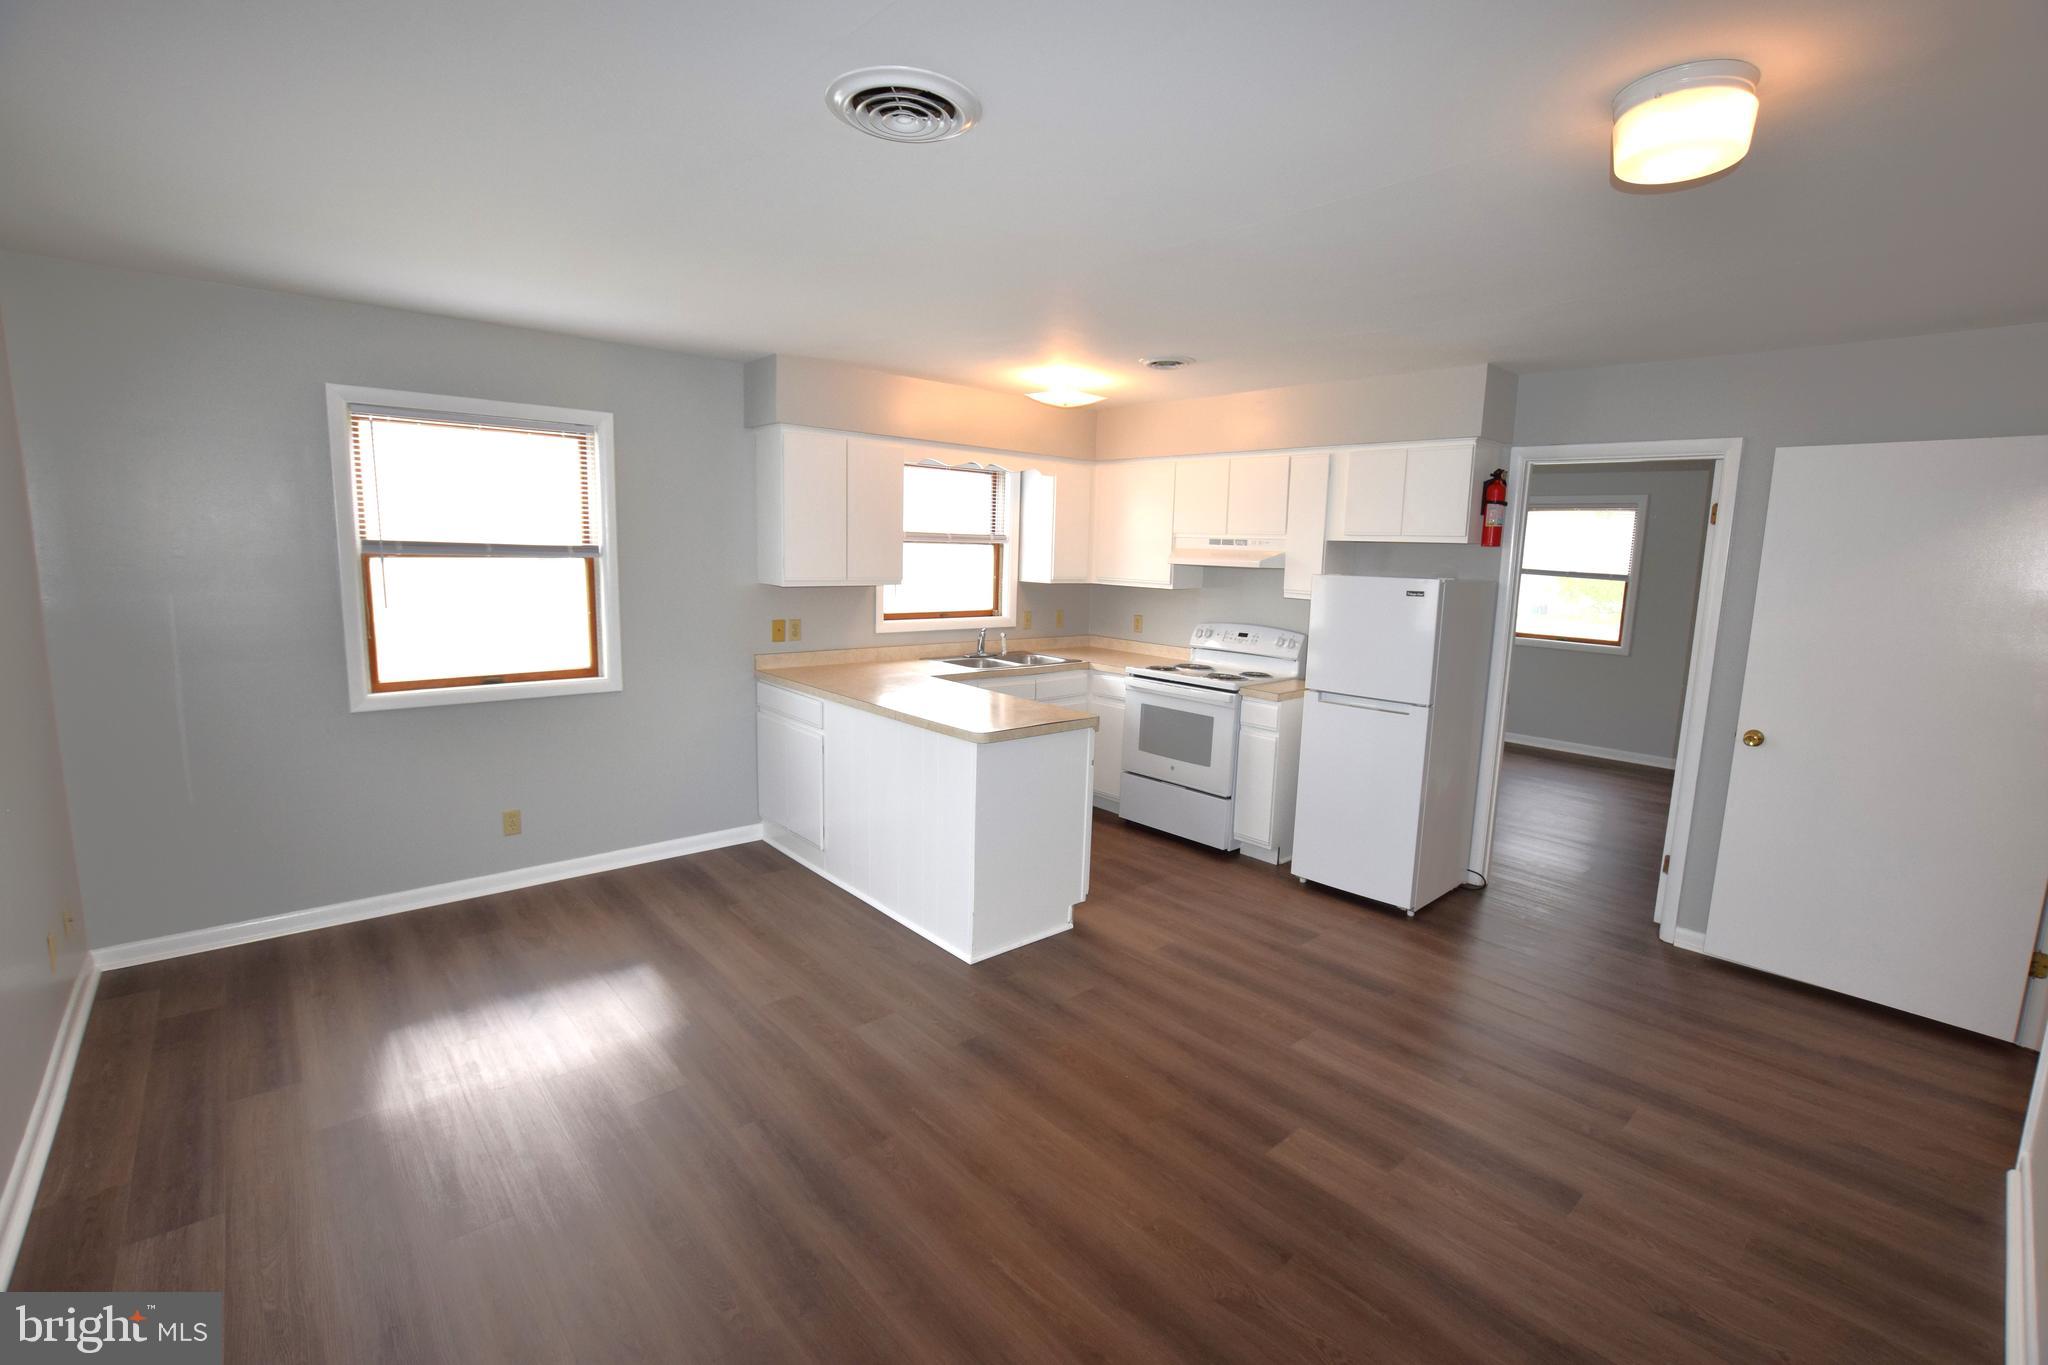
column 1496, row 513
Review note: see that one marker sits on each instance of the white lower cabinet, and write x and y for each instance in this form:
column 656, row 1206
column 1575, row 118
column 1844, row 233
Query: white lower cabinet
column 1106, row 700
column 1268, row 765
column 790, row 759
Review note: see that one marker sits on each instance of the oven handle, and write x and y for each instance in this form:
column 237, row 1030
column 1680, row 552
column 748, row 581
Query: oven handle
column 1194, row 696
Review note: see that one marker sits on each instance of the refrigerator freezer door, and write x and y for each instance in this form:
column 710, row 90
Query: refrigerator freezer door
column 1358, row 818
column 1374, row 637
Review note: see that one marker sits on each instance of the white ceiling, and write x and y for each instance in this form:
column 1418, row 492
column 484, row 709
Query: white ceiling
column 1288, row 191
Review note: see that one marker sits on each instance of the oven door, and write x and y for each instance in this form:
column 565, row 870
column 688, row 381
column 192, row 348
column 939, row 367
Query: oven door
column 1183, row 735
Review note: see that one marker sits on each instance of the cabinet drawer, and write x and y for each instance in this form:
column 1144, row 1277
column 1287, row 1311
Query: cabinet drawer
column 796, row 706
column 1106, row 686
column 1260, row 715
column 1062, row 686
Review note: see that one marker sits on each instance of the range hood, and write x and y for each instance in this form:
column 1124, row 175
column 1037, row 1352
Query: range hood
column 1231, row 552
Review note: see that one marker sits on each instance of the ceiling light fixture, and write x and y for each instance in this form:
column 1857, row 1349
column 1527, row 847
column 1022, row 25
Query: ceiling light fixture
column 903, row 103
column 1684, row 122
column 1066, row 398
column 1166, row 362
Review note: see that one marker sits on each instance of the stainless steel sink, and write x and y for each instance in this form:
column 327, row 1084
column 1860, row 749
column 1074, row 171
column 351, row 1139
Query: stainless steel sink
column 1023, row 658
column 983, row 661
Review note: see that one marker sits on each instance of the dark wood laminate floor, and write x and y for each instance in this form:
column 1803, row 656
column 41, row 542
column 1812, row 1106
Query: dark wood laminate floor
column 715, row 1109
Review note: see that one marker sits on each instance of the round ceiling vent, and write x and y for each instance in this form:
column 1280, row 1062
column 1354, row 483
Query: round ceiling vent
column 1167, row 362
column 904, row 104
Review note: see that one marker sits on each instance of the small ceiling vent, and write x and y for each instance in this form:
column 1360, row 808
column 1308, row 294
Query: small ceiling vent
column 904, row 104
column 1167, row 362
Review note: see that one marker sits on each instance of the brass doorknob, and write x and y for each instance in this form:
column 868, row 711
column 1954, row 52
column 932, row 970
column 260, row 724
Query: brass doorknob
column 1753, row 738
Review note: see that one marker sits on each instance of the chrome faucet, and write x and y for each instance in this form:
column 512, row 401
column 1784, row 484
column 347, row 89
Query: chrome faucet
column 981, row 643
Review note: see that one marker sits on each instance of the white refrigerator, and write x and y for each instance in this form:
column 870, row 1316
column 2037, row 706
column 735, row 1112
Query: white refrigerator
column 1396, row 679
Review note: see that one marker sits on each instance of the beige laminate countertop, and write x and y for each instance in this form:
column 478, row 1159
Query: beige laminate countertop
column 927, row 693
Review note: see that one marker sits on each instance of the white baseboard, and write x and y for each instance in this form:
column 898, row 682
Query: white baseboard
column 2022, row 1277
column 1565, row 746
column 396, row 902
column 26, row 1176
column 1108, row 803
column 1692, row 940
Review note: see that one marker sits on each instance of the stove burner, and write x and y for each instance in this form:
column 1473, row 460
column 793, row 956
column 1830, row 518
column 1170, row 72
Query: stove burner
column 1227, row 677
column 1193, row 668
column 1254, row 673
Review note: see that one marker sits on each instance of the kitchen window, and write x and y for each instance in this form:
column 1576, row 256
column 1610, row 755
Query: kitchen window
column 1580, row 563
column 957, row 560
column 476, row 548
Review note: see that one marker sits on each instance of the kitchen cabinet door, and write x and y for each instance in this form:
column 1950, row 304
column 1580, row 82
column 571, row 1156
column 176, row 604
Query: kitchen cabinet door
column 1201, row 497
column 791, row 770
column 1308, row 496
column 1258, row 760
column 1109, row 747
column 1367, row 491
column 1258, row 495
column 1055, row 525
column 1438, row 499
column 800, row 505
column 1133, row 520
column 874, row 509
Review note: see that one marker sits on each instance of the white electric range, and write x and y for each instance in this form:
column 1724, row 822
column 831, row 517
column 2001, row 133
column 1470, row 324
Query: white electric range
column 1180, row 728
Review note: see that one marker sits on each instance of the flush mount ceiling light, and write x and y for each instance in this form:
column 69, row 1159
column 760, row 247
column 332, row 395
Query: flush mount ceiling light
column 903, row 103
column 1684, row 122
column 1066, row 386
column 1166, row 362
column 1065, row 398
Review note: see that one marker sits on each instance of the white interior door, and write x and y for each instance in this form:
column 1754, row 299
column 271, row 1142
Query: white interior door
column 1886, row 837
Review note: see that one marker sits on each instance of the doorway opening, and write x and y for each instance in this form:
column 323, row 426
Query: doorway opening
column 1611, row 573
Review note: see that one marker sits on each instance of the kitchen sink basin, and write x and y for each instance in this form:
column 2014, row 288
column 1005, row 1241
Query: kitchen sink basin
column 1023, row 659
column 983, row 661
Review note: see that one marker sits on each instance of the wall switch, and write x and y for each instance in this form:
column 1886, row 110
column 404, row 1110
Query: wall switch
column 776, row 630
column 1137, row 623
column 796, row 628
column 1025, row 620
column 1059, row 618
column 70, row 923
column 50, row 940
column 512, row 823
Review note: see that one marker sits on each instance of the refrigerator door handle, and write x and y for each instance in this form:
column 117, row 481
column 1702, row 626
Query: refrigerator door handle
column 1331, row 700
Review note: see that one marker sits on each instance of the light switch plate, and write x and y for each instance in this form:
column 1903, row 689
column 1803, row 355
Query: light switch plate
column 1137, row 623
column 512, row 822
column 796, row 628
column 1059, row 618
column 1026, row 622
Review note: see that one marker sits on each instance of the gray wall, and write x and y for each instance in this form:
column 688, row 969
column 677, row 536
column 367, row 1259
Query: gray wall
column 1628, row 702
column 1990, row 382
column 176, row 445
column 37, row 881
column 1171, row 614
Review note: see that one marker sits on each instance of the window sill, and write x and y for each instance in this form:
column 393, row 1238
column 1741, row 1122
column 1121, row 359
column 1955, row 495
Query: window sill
column 1574, row 645
column 957, row 623
column 365, row 700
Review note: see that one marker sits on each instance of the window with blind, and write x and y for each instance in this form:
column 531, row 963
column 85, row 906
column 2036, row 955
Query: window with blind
column 1578, row 575
column 476, row 549
column 955, row 545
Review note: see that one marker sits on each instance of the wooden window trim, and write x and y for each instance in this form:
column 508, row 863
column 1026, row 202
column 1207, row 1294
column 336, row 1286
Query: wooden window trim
column 995, row 594
column 1620, row 621
column 379, row 686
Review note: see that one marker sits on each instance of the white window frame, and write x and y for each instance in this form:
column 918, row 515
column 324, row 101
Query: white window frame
column 354, row 624
column 1632, row 600
column 1006, row 618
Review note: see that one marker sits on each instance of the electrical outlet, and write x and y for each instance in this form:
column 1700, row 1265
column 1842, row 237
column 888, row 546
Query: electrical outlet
column 1137, row 623
column 512, row 823
column 796, row 628
column 50, row 940
column 778, row 630
column 1059, row 618
column 1026, row 622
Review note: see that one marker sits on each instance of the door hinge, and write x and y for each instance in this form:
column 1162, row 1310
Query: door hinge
column 1714, row 515
column 2038, row 966
column 1667, row 862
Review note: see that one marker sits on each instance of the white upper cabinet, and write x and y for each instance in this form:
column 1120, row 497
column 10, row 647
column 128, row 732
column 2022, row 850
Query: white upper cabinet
column 1308, row 500
column 1056, row 524
column 1201, row 497
column 1133, row 543
column 1258, row 495
column 1428, row 491
column 828, row 508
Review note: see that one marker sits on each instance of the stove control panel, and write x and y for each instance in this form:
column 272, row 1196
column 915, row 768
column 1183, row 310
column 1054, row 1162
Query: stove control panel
column 1270, row 641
